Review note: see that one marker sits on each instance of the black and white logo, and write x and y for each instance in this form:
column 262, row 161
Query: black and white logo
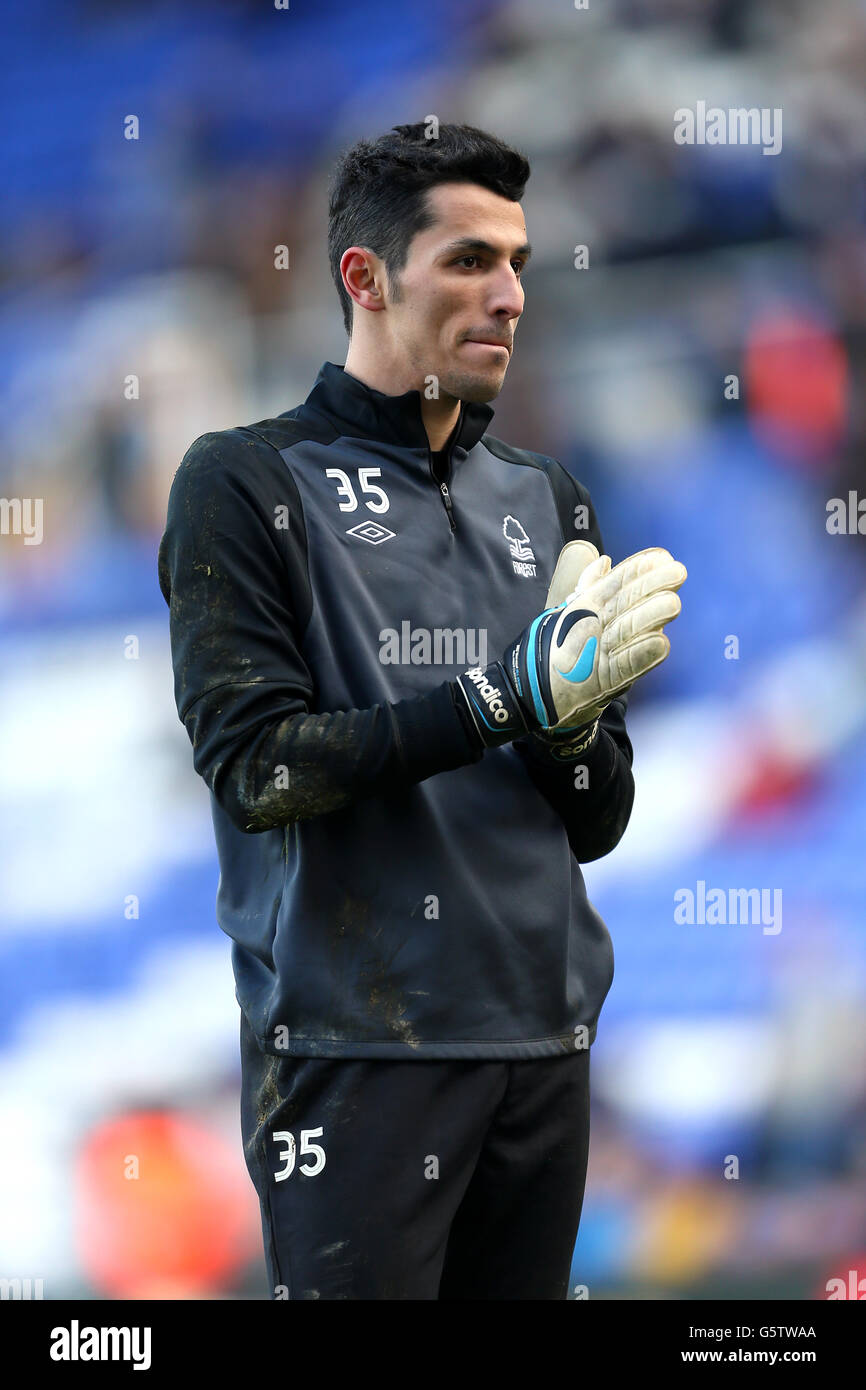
column 371, row 531
column 490, row 694
column 522, row 557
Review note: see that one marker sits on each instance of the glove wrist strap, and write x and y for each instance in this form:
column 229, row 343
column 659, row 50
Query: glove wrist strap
column 493, row 704
column 568, row 744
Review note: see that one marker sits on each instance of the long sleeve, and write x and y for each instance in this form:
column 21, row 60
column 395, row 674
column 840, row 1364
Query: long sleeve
column 237, row 587
column 594, row 792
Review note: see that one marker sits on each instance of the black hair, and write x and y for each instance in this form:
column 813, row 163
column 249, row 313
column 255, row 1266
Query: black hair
column 377, row 195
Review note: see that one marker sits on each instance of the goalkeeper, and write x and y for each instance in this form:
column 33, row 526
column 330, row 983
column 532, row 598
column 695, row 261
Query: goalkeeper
column 401, row 656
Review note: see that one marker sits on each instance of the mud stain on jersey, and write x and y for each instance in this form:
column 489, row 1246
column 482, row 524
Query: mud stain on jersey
column 268, row 1098
column 366, row 965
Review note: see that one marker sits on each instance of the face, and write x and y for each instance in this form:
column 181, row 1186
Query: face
column 459, row 295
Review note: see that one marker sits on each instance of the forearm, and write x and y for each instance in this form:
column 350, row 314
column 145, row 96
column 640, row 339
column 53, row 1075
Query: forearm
column 269, row 764
column 593, row 792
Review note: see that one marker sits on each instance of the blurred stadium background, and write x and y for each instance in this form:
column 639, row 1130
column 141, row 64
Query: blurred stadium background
column 155, row 258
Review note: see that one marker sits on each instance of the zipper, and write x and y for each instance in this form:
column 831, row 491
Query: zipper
column 446, row 498
column 443, row 488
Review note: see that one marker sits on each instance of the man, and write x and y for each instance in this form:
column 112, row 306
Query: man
column 410, row 742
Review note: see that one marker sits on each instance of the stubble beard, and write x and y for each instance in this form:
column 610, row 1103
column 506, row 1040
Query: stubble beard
column 477, row 387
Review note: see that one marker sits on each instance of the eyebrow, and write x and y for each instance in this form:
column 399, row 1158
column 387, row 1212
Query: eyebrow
column 469, row 244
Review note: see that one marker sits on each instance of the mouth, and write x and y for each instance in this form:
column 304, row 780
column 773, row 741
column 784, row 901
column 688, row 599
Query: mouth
column 490, row 342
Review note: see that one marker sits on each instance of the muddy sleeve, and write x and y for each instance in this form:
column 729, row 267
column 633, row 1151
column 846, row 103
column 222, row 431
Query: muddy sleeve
column 233, row 571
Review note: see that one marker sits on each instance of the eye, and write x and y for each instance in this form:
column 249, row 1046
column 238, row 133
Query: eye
column 519, row 266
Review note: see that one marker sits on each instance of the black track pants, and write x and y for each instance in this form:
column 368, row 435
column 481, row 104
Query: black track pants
column 416, row 1179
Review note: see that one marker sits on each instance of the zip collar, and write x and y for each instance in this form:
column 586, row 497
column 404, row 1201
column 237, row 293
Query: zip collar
column 359, row 411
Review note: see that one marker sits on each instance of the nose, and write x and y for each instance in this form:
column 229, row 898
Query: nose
column 506, row 295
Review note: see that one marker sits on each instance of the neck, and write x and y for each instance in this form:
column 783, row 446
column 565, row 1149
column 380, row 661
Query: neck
column 393, row 379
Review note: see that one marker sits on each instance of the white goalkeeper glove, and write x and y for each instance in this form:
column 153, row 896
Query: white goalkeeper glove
column 634, row 601
column 603, row 631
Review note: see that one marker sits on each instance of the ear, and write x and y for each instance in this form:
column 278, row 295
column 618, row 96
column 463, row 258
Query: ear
column 573, row 560
column 359, row 268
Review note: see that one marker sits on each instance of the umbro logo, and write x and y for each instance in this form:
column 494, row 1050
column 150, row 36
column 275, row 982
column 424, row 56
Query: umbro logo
column 371, row 531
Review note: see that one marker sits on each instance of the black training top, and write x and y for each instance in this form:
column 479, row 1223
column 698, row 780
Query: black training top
column 391, row 889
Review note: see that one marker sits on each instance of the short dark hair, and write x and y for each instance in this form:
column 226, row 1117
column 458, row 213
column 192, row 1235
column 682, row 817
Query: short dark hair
column 377, row 195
